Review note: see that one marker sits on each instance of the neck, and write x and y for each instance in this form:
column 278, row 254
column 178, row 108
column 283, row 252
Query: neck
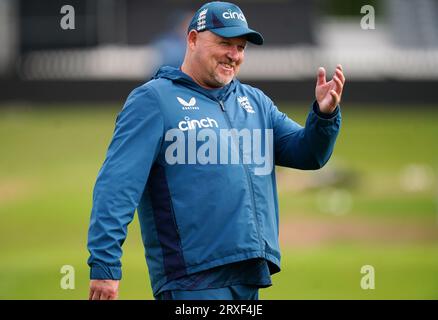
column 187, row 68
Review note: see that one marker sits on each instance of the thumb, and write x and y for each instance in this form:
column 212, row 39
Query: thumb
column 321, row 76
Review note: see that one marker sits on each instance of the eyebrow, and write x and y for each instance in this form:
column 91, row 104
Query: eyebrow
column 229, row 41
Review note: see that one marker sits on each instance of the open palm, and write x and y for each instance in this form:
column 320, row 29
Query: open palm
column 328, row 94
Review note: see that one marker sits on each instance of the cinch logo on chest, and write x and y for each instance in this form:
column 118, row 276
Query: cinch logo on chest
column 188, row 124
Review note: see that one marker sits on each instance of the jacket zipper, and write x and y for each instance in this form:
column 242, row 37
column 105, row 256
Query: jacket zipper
column 222, row 105
column 248, row 177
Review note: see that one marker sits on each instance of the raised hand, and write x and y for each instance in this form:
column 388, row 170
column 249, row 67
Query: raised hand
column 328, row 94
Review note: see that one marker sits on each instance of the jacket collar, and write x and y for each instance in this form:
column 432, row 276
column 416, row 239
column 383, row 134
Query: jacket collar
column 176, row 75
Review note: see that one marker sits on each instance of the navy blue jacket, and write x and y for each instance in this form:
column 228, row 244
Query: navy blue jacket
column 198, row 208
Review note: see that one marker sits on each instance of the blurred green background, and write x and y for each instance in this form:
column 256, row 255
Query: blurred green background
column 375, row 204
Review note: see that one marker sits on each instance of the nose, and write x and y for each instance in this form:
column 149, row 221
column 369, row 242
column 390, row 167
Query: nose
column 233, row 53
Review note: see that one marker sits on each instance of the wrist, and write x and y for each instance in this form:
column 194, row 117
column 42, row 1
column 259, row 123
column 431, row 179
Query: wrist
column 105, row 272
column 325, row 115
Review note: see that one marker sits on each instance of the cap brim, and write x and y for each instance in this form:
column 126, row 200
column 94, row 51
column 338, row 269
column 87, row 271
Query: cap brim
column 233, row 32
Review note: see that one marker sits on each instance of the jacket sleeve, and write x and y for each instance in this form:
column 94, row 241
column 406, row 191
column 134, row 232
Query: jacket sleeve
column 307, row 148
column 121, row 180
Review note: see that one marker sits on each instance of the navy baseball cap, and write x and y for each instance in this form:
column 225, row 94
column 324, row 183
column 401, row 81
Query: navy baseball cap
column 224, row 19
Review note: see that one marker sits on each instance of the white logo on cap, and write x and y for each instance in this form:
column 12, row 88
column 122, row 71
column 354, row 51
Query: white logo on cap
column 233, row 15
column 201, row 20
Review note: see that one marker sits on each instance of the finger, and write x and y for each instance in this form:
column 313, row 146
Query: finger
column 113, row 297
column 90, row 294
column 96, row 295
column 339, row 84
column 321, row 76
column 339, row 66
column 340, row 75
column 335, row 97
column 104, row 296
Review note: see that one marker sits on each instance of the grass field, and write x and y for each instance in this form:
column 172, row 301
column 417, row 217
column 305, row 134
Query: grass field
column 386, row 168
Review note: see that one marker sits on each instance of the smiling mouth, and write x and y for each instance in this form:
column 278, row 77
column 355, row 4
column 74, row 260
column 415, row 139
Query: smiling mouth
column 226, row 66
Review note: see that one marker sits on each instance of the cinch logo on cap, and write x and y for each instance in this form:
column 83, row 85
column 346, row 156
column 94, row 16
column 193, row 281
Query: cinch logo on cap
column 233, row 15
column 225, row 20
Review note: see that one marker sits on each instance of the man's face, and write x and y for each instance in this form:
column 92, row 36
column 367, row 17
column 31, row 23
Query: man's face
column 217, row 59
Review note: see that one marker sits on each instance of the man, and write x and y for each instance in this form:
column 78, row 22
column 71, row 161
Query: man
column 209, row 224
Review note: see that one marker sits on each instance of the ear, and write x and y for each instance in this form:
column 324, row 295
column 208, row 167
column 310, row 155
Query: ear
column 192, row 39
